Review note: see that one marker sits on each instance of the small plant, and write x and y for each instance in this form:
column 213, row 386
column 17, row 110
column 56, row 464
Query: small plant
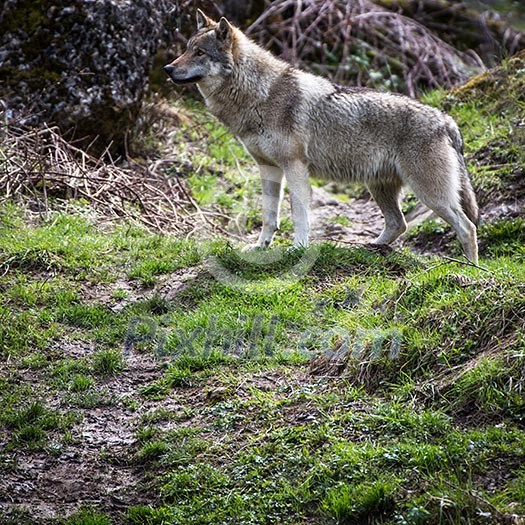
column 342, row 220
column 193, row 480
column 80, row 383
column 157, row 305
column 107, row 362
column 35, row 361
column 31, row 422
column 352, row 504
column 155, row 390
column 429, row 227
column 87, row 516
column 145, row 434
column 30, row 434
column 152, row 451
column 119, row 294
column 504, row 237
column 141, row 515
column 178, row 376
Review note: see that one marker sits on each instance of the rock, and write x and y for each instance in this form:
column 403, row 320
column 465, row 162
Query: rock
column 82, row 65
column 320, row 197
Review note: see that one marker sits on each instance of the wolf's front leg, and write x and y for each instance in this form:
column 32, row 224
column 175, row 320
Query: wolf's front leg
column 296, row 174
column 272, row 194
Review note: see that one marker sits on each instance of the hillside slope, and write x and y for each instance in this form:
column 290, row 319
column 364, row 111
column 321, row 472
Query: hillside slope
column 154, row 379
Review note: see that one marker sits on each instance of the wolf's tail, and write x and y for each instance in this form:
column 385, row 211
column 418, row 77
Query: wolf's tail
column 466, row 193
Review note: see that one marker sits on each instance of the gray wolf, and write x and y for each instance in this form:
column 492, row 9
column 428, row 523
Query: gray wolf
column 295, row 125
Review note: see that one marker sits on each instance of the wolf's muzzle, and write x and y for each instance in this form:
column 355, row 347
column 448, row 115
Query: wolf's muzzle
column 181, row 79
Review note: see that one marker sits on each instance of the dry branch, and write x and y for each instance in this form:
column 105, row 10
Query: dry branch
column 40, row 163
column 361, row 43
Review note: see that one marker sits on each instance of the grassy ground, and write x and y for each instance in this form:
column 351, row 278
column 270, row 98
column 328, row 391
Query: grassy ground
column 148, row 379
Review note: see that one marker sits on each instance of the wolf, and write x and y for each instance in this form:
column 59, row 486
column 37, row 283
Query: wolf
column 296, row 125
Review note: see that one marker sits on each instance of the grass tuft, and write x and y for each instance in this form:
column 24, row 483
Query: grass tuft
column 87, row 516
column 357, row 504
column 107, row 362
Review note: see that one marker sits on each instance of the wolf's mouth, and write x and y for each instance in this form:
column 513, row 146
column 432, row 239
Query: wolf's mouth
column 189, row 80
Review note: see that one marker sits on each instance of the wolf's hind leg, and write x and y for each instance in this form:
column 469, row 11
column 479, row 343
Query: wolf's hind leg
column 388, row 198
column 465, row 229
column 435, row 178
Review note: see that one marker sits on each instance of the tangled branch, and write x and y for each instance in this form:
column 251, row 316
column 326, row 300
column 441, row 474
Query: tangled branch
column 42, row 164
column 361, row 43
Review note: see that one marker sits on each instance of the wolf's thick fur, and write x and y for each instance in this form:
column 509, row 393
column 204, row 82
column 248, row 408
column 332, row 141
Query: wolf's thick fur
column 295, row 124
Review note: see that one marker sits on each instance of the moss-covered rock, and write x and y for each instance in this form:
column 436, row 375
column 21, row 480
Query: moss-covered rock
column 82, row 65
column 497, row 86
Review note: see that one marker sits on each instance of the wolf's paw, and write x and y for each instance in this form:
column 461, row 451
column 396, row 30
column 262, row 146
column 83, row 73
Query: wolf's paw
column 256, row 254
column 253, row 247
column 383, row 249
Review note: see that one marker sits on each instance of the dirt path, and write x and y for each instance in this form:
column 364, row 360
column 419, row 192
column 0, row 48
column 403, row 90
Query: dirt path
column 365, row 219
column 94, row 466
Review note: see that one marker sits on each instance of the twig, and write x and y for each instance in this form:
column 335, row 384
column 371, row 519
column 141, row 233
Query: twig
column 466, row 262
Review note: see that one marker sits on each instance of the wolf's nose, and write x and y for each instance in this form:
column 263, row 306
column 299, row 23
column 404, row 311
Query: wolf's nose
column 169, row 69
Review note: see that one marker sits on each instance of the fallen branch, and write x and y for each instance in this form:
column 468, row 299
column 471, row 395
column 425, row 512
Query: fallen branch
column 466, row 262
column 40, row 163
column 361, row 43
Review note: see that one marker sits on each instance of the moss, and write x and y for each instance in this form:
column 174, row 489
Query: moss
column 27, row 17
column 488, row 87
column 36, row 77
column 35, row 24
column 480, row 81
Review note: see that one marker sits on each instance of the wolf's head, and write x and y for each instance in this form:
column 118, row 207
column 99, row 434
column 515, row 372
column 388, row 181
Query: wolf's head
column 209, row 52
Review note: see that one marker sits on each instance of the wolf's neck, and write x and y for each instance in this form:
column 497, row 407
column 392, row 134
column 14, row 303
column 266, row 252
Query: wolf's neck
column 253, row 73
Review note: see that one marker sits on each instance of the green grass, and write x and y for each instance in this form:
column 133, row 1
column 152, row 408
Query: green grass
column 358, row 503
column 87, row 516
column 329, row 385
column 30, row 424
column 504, row 238
column 107, row 362
column 425, row 399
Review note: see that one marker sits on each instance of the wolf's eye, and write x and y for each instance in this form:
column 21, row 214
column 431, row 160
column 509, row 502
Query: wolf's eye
column 200, row 53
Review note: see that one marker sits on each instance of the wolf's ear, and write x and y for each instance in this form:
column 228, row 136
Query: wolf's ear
column 224, row 31
column 202, row 20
